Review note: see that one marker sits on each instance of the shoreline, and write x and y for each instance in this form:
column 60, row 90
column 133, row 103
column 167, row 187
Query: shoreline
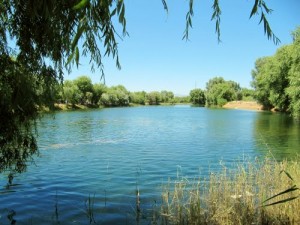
column 241, row 105
column 245, row 105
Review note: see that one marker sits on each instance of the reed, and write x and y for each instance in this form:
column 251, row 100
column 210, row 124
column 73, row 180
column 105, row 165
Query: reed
column 240, row 195
column 89, row 206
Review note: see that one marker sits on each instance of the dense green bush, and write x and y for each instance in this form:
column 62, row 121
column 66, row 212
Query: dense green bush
column 220, row 91
column 276, row 79
column 197, row 97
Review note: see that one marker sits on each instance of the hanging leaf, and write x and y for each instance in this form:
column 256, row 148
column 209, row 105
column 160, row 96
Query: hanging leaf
column 254, row 9
column 293, row 188
column 76, row 38
column 81, row 4
column 77, row 56
column 188, row 17
column 113, row 12
column 217, row 16
column 119, row 6
column 264, row 9
column 70, row 58
column 122, row 14
column 165, row 5
column 268, row 10
column 282, row 201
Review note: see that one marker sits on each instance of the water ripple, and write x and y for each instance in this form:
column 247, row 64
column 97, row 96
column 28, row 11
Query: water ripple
column 105, row 155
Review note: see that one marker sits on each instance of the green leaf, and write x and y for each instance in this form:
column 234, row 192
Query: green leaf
column 282, row 201
column 293, row 188
column 266, row 8
column 217, row 16
column 81, row 4
column 286, row 173
column 113, row 12
column 190, row 22
column 213, row 15
column 165, row 5
column 261, row 18
column 70, row 58
column 119, row 6
column 77, row 36
column 122, row 14
column 254, row 9
column 77, row 56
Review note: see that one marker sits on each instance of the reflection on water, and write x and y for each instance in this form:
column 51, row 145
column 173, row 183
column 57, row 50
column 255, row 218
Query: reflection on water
column 109, row 153
column 277, row 133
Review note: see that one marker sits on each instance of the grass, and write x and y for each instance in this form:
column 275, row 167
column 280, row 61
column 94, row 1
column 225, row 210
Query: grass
column 236, row 196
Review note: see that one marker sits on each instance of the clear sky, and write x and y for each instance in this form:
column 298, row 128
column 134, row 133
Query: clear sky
column 154, row 57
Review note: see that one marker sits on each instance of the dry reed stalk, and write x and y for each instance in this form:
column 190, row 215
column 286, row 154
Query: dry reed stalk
column 235, row 196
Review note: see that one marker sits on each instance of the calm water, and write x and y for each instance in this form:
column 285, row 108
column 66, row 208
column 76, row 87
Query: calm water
column 106, row 154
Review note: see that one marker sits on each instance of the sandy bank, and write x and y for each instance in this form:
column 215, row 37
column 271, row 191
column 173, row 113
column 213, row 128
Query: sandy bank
column 248, row 105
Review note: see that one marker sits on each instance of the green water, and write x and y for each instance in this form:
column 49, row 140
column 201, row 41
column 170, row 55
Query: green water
column 108, row 153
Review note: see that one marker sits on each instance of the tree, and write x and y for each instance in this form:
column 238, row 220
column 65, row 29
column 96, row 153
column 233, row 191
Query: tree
column 72, row 94
column 293, row 89
column 122, row 95
column 85, row 86
column 219, row 91
column 115, row 96
column 276, row 78
column 260, row 83
column 247, row 94
column 138, row 97
column 22, row 92
column 105, row 100
column 167, row 96
column 154, row 98
column 182, row 99
column 99, row 89
column 197, row 97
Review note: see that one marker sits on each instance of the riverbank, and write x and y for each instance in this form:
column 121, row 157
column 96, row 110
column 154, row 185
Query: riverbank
column 66, row 107
column 247, row 105
column 69, row 107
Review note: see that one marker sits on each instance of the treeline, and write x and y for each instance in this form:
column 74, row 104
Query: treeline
column 218, row 92
column 83, row 91
column 276, row 79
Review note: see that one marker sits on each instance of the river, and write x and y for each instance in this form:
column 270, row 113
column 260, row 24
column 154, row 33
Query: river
column 92, row 162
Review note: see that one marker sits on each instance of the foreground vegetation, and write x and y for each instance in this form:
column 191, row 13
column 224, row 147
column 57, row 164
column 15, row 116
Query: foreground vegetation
column 236, row 196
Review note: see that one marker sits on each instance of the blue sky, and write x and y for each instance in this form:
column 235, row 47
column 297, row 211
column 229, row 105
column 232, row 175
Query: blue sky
column 154, row 57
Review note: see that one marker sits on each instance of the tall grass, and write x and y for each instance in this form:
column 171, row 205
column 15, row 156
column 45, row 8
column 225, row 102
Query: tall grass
column 235, row 196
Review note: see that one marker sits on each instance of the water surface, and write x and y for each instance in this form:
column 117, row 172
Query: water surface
column 107, row 154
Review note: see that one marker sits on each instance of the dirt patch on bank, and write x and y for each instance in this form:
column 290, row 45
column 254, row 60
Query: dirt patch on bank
column 248, row 105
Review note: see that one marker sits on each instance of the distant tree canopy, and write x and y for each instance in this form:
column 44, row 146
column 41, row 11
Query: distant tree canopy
column 219, row 91
column 82, row 91
column 39, row 38
column 276, row 79
column 197, row 97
